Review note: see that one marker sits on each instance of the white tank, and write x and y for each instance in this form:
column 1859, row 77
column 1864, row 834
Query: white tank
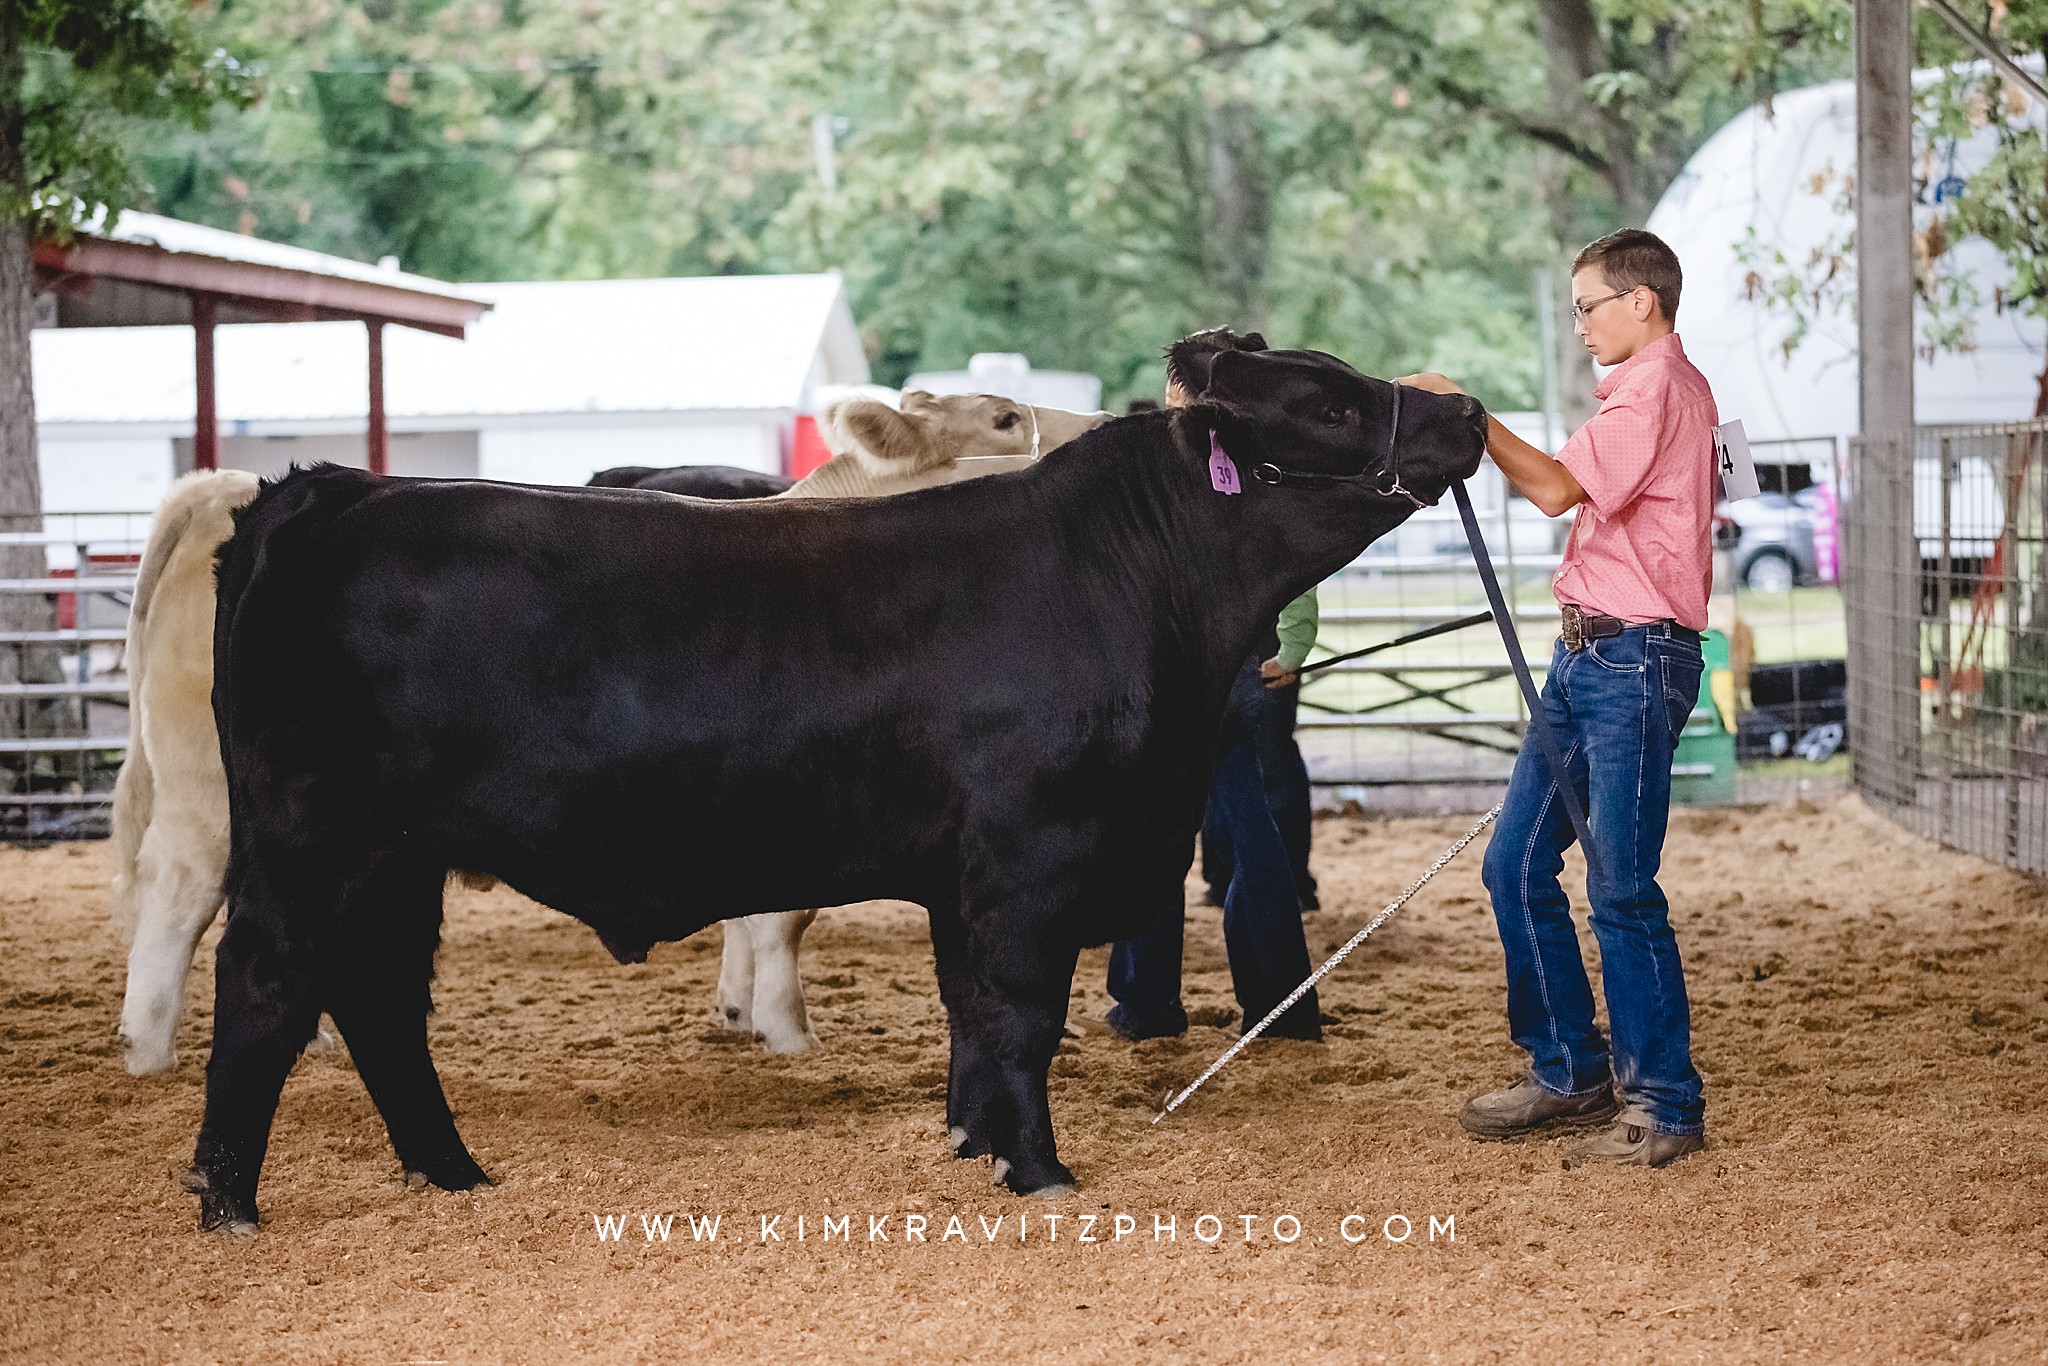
column 1760, row 173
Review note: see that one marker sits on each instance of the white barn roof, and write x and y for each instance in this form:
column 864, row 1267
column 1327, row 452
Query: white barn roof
column 721, row 343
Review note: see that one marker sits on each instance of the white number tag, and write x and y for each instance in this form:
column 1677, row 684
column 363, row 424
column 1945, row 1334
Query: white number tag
column 1731, row 458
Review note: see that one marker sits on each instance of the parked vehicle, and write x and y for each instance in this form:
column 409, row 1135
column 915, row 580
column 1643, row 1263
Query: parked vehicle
column 1772, row 539
column 1769, row 540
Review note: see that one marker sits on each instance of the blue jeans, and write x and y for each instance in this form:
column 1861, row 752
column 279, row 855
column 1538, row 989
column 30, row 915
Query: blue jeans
column 1616, row 708
column 1287, row 793
column 1261, row 910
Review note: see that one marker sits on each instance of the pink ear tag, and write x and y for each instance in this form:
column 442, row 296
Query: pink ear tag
column 1222, row 469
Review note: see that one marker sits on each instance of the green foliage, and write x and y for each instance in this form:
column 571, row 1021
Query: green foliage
column 2004, row 203
column 96, row 78
column 1079, row 180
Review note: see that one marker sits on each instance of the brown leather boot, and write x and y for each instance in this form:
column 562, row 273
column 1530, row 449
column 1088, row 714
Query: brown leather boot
column 1633, row 1145
column 1526, row 1108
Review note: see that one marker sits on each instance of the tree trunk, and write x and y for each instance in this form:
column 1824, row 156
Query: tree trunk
column 1574, row 50
column 1241, row 216
column 21, row 494
column 1574, row 364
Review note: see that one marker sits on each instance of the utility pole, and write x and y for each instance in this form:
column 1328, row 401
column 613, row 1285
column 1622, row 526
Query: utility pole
column 1884, row 639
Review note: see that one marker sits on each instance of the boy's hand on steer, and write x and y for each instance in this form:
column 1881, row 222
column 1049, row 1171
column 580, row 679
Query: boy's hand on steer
column 1275, row 676
column 1433, row 383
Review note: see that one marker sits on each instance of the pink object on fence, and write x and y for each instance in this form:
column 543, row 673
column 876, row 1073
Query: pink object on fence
column 1827, row 528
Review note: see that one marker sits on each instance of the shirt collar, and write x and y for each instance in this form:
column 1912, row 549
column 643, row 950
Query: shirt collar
column 1666, row 347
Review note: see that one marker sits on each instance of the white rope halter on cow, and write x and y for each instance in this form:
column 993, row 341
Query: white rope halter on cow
column 1334, row 959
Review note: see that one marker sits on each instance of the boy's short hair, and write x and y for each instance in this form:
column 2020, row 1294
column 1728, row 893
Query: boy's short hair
column 1633, row 257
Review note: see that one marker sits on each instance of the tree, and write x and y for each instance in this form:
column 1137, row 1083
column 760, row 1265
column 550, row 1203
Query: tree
column 74, row 76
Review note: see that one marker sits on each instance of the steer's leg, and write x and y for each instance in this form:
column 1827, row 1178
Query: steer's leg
column 779, row 1015
column 1023, row 985
column 179, row 870
column 973, row 1088
column 383, row 963
column 736, row 976
column 265, row 1009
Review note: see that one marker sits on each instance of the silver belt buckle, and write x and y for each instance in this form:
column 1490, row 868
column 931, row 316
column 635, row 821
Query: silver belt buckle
column 1574, row 640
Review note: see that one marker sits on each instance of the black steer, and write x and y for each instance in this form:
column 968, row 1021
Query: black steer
column 694, row 481
column 1000, row 700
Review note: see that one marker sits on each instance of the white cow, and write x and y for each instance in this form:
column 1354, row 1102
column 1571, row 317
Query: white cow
column 878, row 451
column 170, row 802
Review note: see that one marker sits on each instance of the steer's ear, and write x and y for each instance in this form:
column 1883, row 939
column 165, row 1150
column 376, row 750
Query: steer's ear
column 884, row 441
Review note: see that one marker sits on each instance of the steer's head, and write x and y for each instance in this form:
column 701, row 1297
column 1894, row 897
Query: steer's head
column 930, row 431
column 1188, row 361
column 1309, row 414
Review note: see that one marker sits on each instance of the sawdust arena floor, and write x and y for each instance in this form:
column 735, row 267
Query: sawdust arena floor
column 1871, row 1017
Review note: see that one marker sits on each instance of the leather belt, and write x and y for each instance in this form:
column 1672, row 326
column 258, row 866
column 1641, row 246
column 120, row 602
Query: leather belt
column 1581, row 627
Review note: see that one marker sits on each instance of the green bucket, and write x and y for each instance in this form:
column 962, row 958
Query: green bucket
column 1703, row 769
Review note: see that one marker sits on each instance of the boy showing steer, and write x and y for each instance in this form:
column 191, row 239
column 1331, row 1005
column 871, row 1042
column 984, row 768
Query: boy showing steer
column 1633, row 590
column 1000, row 700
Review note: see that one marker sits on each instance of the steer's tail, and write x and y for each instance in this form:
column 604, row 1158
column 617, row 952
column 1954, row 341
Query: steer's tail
column 199, row 511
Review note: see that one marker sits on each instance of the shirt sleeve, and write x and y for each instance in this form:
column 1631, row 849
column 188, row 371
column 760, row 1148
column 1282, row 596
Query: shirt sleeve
column 1299, row 621
column 1613, row 455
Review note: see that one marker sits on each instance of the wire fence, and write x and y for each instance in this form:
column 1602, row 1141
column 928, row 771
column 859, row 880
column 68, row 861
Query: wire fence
column 1946, row 594
column 1436, row 724
column 66, row 580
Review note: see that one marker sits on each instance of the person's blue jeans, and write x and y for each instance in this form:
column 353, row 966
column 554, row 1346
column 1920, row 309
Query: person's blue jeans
column 1262, row 931
column 1287, row 794
column 1616, row 708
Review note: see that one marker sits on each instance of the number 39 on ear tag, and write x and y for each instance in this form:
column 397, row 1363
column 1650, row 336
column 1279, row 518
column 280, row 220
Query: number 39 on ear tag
column 1222, row 469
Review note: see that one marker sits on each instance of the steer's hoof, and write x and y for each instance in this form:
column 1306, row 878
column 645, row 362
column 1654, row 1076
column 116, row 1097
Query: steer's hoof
column 217, row 1211
column 964, row 1142
column 1052, row 1180
column 789, row 1043
column 149, row 1062
column 451, row 1174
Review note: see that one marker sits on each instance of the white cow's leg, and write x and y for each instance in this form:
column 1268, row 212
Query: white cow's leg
column 736, row 977
column 779, row 1016
column 179, row 872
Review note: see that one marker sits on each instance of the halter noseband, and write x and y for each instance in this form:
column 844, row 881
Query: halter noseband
column 1385, row 482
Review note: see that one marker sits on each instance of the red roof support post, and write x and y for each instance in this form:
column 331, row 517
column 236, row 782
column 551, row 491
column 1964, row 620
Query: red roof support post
column 380, row 436
column 206, row 423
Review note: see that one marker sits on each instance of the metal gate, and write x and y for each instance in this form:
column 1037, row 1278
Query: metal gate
column 69, row 578
column 1947, row 599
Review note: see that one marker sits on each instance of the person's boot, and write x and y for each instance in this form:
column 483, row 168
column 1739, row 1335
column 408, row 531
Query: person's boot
column 1526, row 1108
column 1633, row 1145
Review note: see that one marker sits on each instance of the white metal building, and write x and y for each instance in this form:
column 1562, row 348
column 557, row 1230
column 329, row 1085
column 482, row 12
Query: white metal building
column 557, row 381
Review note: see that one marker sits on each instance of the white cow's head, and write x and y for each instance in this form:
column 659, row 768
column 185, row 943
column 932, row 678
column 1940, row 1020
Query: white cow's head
column 931, row 431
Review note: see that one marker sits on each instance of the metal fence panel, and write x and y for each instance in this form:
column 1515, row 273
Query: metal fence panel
column 66, row 580
column 1947, row 597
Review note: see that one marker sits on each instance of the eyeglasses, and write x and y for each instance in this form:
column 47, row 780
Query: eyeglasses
column 1579, row 310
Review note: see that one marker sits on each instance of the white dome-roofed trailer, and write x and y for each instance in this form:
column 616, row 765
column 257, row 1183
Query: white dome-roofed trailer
column 1779, row 185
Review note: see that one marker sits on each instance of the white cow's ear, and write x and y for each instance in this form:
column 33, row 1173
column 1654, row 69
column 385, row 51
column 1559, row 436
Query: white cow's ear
column 886, row 443
column 829, row 430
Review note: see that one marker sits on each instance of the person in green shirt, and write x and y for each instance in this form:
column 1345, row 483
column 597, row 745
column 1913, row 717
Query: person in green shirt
column 1287, row 785
column 1262, row 930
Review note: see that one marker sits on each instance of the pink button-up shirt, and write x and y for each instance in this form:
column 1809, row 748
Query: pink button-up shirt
column 1642, row 545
